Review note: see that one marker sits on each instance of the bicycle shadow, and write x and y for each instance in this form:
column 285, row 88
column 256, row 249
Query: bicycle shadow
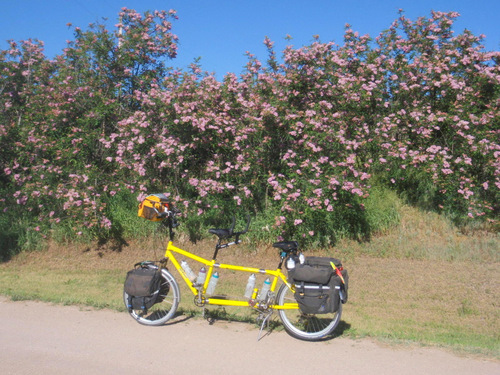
column 339, row 331
column 220, row 314
column 180, row 317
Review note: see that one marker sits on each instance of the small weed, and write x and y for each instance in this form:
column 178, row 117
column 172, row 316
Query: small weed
column 465, row 309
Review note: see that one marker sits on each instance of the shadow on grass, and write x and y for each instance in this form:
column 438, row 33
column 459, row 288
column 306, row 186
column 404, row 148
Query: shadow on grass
column 9, row 245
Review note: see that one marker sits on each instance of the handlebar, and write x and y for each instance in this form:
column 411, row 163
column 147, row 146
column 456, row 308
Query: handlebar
column 246, row 228
column 168, row 213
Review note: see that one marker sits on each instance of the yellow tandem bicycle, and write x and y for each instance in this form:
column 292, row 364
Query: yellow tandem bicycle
column 267, row 300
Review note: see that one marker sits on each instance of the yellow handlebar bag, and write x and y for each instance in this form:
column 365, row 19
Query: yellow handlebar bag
column 152, row 206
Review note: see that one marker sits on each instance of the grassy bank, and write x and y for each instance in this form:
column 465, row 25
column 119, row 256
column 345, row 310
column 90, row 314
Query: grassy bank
column 422, row 282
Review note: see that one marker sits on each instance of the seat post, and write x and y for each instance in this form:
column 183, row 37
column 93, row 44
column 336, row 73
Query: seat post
column 282, row 259
column 217, row 247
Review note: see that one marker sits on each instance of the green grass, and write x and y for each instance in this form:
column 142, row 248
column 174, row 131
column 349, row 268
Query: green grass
column 100, row 289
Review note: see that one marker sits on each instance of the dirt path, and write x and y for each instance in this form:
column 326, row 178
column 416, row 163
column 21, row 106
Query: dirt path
column 39, row 338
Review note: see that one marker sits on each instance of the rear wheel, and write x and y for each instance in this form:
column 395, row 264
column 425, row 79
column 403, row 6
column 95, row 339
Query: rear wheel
column 309, row 327
column 164, row 310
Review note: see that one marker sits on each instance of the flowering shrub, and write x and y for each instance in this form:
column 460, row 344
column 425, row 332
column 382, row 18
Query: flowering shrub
column 444, row 106
column 54, row 113
column 301, row 138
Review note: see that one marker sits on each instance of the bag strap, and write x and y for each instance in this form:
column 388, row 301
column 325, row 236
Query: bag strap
column 321, row 294
column 301, row 289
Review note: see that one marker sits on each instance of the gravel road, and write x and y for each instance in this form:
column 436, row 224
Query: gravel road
column 40, row 338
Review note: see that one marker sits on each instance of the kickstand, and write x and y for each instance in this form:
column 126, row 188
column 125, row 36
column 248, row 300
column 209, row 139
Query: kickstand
column 265, row 322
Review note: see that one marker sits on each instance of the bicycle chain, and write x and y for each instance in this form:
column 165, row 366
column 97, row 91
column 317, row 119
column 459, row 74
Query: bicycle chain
column 200, row 301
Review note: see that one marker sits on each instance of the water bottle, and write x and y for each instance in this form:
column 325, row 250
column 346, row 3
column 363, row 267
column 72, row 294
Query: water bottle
column 264, row 290
column 201, row 276
column 188, row 271
column 212, row 283
column 250, row 286
column 290, row 263
column 302, row 258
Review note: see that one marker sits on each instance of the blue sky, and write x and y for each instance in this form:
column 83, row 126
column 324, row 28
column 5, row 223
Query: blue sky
column 221, row 31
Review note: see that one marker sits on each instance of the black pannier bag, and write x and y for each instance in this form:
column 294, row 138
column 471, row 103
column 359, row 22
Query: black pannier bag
column 143, row 286
column 318, row 287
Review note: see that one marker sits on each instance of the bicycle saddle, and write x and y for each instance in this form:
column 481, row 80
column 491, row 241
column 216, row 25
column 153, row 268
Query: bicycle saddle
column 221, row 233
column 287, row 246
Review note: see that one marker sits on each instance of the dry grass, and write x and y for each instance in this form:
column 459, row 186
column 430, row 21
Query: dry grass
column 429, row 301
column 428, row 237
column 422, row 282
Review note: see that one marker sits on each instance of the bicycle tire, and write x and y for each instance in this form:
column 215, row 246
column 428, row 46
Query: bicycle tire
column 308, row 327
column 162, row 311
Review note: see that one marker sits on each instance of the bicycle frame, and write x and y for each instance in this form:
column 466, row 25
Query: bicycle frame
column 276, row 275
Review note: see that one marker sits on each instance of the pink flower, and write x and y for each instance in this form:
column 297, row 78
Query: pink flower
column 297, row 222
column 106, row 223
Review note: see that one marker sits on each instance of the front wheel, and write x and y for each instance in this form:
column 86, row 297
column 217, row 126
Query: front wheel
column 309, row 327
column 163, row 310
